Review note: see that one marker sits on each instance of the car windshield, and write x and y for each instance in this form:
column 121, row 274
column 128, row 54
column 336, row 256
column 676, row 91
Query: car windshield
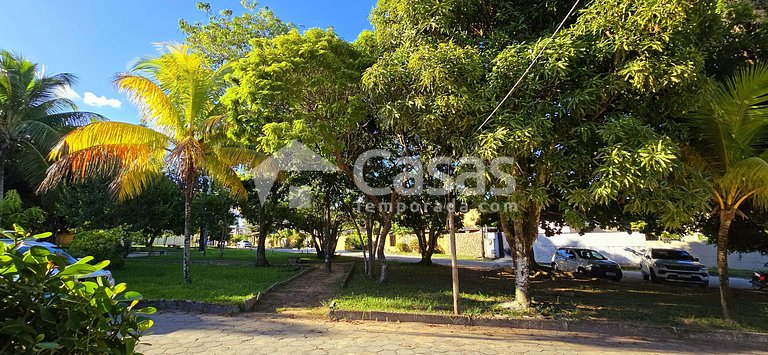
column 671, row 254
column 590, row 254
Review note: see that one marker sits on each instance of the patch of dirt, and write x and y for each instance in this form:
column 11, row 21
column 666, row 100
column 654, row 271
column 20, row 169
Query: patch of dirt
column 305, row 292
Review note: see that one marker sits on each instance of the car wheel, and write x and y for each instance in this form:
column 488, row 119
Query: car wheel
column 756, row 286
column 581, row 271
column 654, row 278
column 554, row 266
column 645, row 276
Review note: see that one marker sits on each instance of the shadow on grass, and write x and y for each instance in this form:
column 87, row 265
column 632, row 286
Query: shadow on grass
column 417, row 288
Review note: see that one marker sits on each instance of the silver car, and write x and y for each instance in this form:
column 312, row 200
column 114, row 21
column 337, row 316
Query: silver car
column 586, row 262
column 673, row 265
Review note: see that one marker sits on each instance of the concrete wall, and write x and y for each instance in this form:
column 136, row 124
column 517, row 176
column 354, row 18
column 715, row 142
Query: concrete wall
column 622, row 247
column 627, row 249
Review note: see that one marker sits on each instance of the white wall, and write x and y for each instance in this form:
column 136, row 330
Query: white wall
column 621, row 247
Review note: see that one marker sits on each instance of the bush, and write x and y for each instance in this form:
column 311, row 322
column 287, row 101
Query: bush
column 110, row 244
column 352, row 242
column 45, row 309
column 414, row 245
column 402, row 246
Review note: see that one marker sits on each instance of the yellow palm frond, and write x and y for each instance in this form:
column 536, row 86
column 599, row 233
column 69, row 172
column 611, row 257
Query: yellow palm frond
column 155, row 106
column 109, row 134
column 123, row 160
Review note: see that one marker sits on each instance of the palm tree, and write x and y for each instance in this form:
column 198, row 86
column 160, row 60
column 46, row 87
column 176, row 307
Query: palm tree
column 32, row 116
column 732, row 129
column 177, row 98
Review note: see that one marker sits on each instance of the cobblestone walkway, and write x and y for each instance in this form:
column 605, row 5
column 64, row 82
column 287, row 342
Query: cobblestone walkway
column 185, row 333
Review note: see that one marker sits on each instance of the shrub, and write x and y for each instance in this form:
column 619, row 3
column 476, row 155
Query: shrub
column 352, row 242
column 45, row 309
column 414, row 245
column 110, row 244
column 402, row 246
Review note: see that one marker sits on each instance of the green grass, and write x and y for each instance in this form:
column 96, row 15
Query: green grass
column 419, row 289
column 230, row 280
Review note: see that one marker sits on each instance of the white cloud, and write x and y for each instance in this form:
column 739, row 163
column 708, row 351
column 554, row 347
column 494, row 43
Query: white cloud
column 68, row 93
column 91, row 99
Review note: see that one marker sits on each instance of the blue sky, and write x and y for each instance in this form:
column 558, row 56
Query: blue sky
column 97, row 39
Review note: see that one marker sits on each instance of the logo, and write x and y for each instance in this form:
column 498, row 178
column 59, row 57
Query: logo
column 440, row 176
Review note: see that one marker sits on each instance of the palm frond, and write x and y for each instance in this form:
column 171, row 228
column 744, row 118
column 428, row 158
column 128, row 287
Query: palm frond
column 153, row 103
column 748, row 177
column 238, row 156
column 223, row 174
column 109, row 134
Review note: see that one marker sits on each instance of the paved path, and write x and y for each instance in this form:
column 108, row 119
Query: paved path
column 185, row 333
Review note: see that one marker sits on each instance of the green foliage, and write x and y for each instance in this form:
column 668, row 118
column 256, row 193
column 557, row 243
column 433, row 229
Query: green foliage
column 403, row 247
column 280, row 76
column 13, row 212
column 225, row 37
column 33, row 116
column 110, row 244
column 352, row 242
column 45, row 309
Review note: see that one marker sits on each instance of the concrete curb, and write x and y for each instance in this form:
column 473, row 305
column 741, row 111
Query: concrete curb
column 578, row 326
column 191, row 306
column 250, row 304
column 345, row 282
column 204, row 307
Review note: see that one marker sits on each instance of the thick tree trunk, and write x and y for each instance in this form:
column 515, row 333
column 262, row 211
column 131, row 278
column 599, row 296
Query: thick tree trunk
column 522, row 297
column 726, row 217
column 261, row 250
column 187, row 235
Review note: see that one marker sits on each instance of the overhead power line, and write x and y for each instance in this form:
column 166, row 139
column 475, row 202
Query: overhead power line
column 535, row 59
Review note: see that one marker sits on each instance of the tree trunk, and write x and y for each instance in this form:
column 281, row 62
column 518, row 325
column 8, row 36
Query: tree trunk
column 371, row 256
column 426, row 253
column 454, row 261
column 726, row 217
column 187, row 235
column 522, row 297
column 261, row 250
column 384, row 275
column 150, row 243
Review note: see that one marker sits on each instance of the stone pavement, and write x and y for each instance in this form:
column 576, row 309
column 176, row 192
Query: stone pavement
column 187, row 333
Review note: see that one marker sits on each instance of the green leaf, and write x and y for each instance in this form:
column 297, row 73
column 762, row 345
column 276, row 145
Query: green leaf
column 48, row 345
column 77, row 269
column 42, row 235
column 130, row 296
column 38, row 251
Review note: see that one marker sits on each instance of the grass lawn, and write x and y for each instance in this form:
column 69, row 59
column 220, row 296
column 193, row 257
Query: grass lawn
column 416, row 288
column 230, row 280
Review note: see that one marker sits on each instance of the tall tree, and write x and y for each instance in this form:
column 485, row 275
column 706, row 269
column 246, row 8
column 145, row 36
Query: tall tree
column 302, row 87
column 177, row 95
column 33, row 115
column 225, row 37
column 730, row 144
